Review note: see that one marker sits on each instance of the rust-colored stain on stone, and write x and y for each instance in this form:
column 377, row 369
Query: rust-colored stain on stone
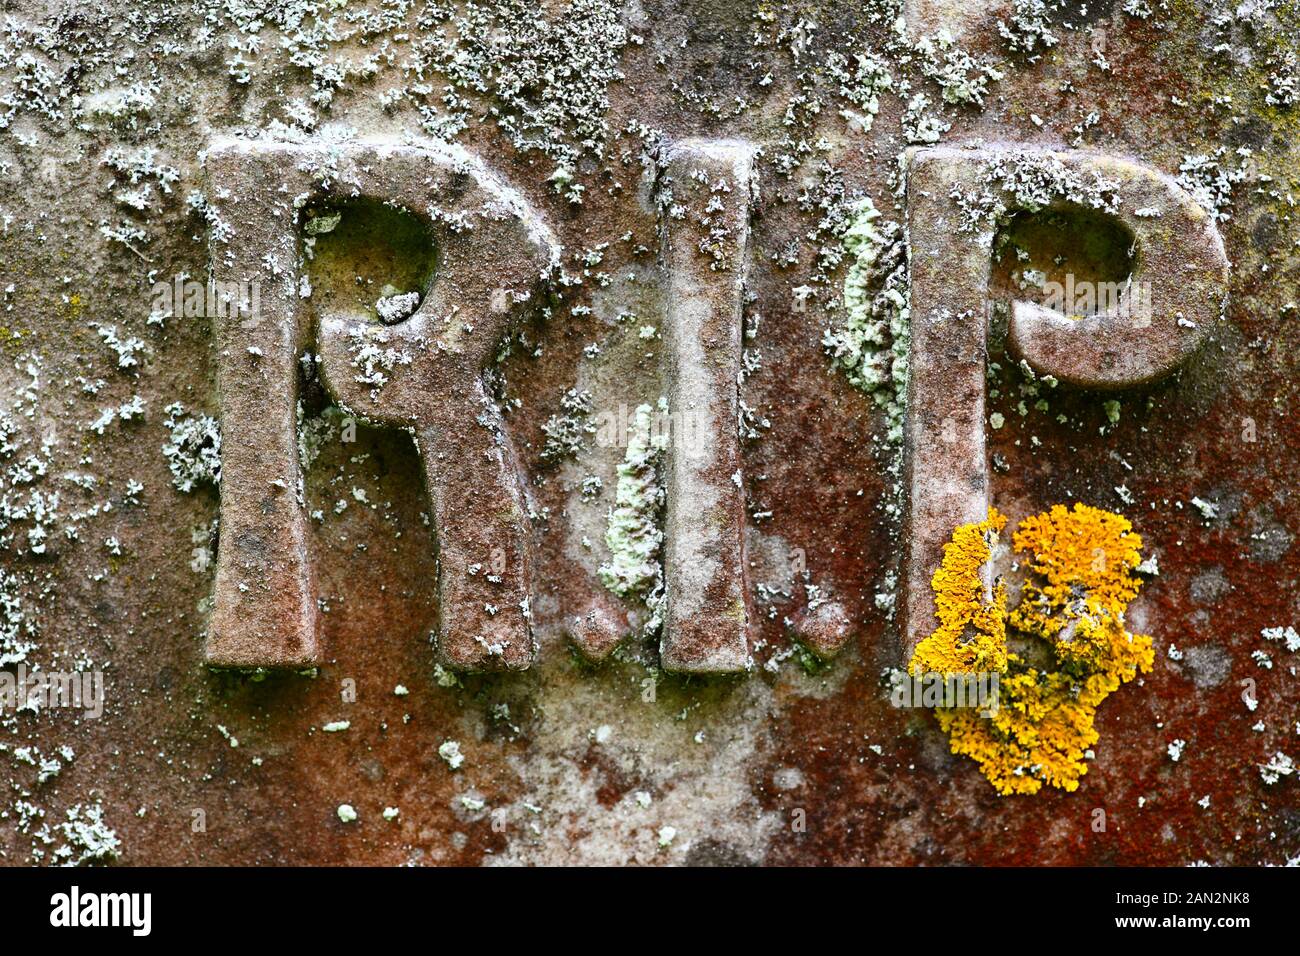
column 524, row 433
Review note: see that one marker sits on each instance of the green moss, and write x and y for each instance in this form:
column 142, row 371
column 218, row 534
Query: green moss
column 809, row 662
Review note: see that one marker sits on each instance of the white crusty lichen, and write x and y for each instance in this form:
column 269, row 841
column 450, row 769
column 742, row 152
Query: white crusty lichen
column 1278, row 766
column 449, row 751
column 127, row 349
column 16, row 628
column 566, row 432
column 318, row 431
column 143, row 175
column 962, row 77
column 862, row 78
column 919, row 126
column 633, row 534
column 397, row 307
column 1210, row 182
column 127, row 411
column 871, row 345
column 1287, row 636
column 1028, row 29
column 375, row 364
column 193, row 451
column 1284, row 82
column 1033, row 181
column 21, row 501
column 88, row 838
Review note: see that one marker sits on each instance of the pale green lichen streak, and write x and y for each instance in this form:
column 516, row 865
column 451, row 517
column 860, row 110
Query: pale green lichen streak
column 633, row 535
column 871, row 347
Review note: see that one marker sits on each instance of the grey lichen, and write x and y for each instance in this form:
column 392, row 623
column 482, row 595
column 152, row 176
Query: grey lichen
column 193, row 451
column 1033, row 181
column 567, row 431
column 871, row 345
column 87, row 837
column 17, row 630
column 962, row 77
column 634, row 536
column 1028, row 29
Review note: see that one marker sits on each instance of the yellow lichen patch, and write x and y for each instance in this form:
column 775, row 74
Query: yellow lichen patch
column 1081, row 567
column 972, row 633
column 1079, row 582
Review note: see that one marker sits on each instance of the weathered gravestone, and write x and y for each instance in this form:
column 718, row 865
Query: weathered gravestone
column 530, row 432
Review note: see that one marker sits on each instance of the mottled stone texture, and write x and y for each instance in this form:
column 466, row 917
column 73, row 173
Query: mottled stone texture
column 575, row 109
column 706, row 602
column 490, row 262
column 1182, row 274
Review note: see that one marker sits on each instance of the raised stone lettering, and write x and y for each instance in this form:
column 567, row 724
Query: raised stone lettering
column 705, row 196
column 956, row 199
column 423, row 372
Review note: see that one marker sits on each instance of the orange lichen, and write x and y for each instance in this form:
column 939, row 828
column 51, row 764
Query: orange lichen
column 972, row 633
column 1079, row 582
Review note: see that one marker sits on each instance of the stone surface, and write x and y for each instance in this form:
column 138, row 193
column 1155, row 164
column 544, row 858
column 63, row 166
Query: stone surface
column 113, row 532
column 705, row 194
column 1181, row 269
column 425, row 376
